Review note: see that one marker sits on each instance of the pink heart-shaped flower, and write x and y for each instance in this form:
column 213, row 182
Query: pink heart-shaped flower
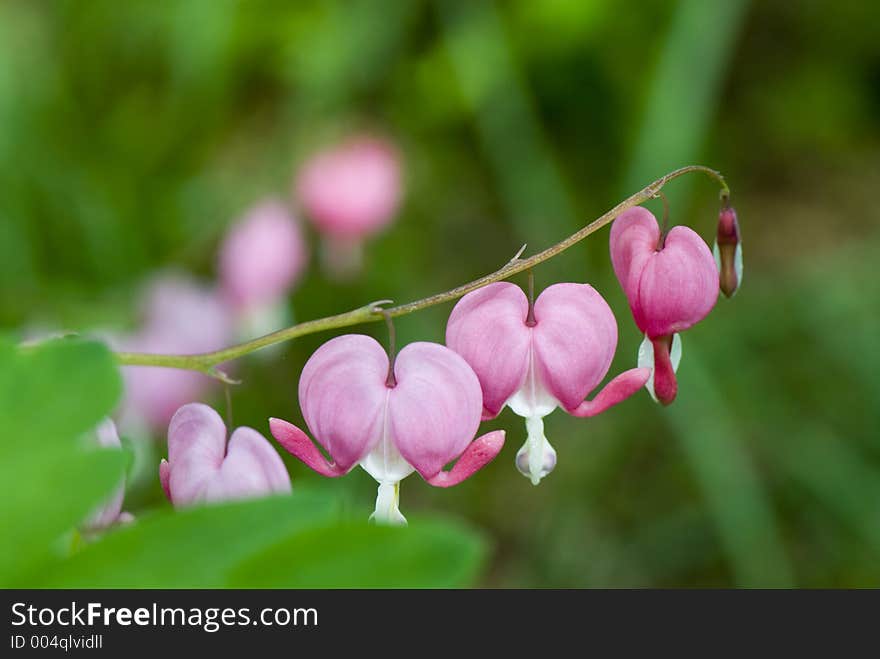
column 201, row 467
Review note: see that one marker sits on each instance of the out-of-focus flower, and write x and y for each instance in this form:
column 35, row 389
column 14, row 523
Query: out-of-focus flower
column 671, row 283
column 110, row 512
column 350, row 192
column 417, row 414
column 260, row 262
column 201, row 468
column 535, row 358
column 728, row 252
column 181, row 317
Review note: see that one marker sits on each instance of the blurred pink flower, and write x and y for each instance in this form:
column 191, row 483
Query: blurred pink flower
column 110, row 512
column 201, row 468
column 535, row 359
column 421, row 419
column 262, row 257
column 350, row 192
column 671, row 283
column 181, row 317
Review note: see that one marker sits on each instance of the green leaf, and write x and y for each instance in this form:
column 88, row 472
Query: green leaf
column 50, row 395
column 426, row 554
column 731, row 484
column 49, row 498
column 54, row 392
column 193, row 548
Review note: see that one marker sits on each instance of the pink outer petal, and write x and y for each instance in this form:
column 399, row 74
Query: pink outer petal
column 196, row 448
column 252, row 468
column 634, row 238
column 487, row 327
column 434, row 411
column 574, row 341
column 165, row 478
column 262, row 256
column 343, row 396
column 298, row 444
column 477, row 455
column 679, row 285
column 619, row 389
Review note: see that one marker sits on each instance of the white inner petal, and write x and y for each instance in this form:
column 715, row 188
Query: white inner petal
column 384, row 462
column 646, row 359
column 532, row 399
column 387, row 511
column 537, row 457
column 738, row 266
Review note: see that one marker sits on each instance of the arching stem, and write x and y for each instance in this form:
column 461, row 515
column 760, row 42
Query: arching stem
column 207, row 362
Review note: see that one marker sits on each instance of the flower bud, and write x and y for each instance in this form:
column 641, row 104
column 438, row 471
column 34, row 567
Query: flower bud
column 728, row 252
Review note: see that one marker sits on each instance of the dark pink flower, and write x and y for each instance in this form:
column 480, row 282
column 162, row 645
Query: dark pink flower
column 728, row 252
column 671, row 283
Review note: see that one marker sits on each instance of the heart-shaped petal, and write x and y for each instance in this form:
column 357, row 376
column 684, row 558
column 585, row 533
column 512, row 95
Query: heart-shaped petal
column 342, row 395
column 574, row 340
column 670, row 287
column 634, row 238
column 200, row 468
column 679, row 284
column 487, row 327
column 434, row 411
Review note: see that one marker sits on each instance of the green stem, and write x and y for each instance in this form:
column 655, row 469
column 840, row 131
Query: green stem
column 208, row 362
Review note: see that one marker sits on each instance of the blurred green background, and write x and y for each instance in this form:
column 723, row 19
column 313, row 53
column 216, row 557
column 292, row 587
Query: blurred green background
column 133, row 134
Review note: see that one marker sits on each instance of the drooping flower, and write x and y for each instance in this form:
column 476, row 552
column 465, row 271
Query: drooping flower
column 416, row 414
column 181, row 316
column 110, row 512
column 350, row 192
column 728, row 251
column 202, row 468
column 671, row 283
column 537, row 357
column 260, row 261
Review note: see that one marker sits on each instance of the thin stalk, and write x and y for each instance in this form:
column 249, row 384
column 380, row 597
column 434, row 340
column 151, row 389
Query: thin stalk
column 208, row 362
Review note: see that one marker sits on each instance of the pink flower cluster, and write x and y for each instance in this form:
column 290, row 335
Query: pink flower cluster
column 420, row 410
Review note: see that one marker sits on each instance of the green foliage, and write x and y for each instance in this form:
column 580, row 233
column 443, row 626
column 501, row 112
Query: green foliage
column 132, row 134
column 49, row 397
column 423, row 555
column 53, row 394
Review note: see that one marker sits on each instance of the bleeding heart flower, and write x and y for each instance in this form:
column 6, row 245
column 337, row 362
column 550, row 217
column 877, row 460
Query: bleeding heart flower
column 350, row 192
column 728, row 252
column 671, row 283
column 202, row 468
column 260, row 261
column 535, row 358
column 419, row 412
column 111, row 511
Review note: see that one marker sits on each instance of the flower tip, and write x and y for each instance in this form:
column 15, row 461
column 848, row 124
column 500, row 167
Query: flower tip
column 165, row 478
column 297, row 443
column 728, row 252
